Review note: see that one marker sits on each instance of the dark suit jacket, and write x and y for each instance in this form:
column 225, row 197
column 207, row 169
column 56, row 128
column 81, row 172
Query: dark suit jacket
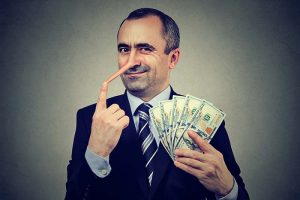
column 128, row 179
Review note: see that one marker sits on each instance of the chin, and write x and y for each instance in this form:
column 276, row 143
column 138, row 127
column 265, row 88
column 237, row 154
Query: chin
column 135, row 88
column 135, row 85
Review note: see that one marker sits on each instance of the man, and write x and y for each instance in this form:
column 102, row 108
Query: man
column 110, row 159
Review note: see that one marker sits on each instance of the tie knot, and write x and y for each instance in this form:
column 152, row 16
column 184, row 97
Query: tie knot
column 143, row 111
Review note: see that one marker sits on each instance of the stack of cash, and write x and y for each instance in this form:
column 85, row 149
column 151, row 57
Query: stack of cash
column 173, row 118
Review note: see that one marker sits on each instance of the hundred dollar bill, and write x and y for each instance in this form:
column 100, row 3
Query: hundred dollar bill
column 166, row 108
column 192, row 107
column 209, row 121
column 205, row 124
column 179, row 108
column 155, row 115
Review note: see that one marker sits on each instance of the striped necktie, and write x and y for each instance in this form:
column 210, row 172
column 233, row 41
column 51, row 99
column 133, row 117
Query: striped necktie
column 148, row 143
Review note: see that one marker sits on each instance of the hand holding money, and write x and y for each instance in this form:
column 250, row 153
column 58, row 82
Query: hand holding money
column 107, row 125
column 185, row 126
column 207, row 166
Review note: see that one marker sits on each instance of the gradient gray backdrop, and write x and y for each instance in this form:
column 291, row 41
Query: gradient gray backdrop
column 241, row 55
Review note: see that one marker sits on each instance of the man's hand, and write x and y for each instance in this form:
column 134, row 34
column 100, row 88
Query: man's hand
column 207, row 166
column 107, row 125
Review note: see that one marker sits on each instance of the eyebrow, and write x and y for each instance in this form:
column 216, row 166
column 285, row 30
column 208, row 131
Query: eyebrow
column 139, row 45
column 122, row 45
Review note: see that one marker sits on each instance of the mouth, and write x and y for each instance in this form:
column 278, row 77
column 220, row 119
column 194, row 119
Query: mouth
column 136, row 71
column 134, row 74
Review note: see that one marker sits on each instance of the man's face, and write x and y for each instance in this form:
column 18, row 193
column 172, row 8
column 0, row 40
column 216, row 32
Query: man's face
column 141, row 45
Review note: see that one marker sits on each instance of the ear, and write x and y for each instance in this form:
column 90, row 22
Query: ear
column 174, row 58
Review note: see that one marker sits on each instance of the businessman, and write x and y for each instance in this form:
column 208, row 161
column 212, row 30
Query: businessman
column 116, row 151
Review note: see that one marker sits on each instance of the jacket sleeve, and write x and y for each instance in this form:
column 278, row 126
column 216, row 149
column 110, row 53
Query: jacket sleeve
column 222, row 143
column 79, row 175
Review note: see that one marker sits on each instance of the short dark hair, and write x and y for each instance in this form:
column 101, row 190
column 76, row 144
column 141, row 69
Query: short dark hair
column 170, row 30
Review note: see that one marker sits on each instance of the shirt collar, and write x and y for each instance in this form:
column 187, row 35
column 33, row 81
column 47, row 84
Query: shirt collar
column 135, row 101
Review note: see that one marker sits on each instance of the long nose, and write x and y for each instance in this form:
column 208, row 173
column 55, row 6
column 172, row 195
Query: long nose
column 132, row 61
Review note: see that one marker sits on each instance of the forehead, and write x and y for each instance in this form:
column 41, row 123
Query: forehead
column 143, row 30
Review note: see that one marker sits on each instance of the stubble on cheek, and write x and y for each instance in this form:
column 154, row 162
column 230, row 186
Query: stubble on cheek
column 140, row 84
column 134, row 84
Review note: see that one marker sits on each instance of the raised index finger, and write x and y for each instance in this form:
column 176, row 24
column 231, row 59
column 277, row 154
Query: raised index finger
column 101, row 104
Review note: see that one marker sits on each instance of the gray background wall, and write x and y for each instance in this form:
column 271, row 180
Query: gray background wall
column 241, row 55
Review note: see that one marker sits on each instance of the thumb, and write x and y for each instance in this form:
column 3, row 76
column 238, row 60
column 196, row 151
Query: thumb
column 202, row 144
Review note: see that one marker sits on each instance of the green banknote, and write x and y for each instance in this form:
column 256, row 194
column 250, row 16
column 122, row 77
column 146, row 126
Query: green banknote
column 179, row 112
column 205, row 123
column 156, row 117
column 166, row 108
column 192, row 107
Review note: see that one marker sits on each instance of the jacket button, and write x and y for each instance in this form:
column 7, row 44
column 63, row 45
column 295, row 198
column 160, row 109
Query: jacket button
column 103, row 172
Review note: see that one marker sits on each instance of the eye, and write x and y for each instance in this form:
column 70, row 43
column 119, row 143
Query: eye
column 146, row 49
column 123, row 49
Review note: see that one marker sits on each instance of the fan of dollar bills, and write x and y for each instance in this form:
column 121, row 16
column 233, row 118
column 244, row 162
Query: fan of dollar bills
column 173, row 118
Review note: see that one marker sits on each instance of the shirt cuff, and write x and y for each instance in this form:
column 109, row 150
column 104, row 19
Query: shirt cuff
column 233, row 194
column 99, row 165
